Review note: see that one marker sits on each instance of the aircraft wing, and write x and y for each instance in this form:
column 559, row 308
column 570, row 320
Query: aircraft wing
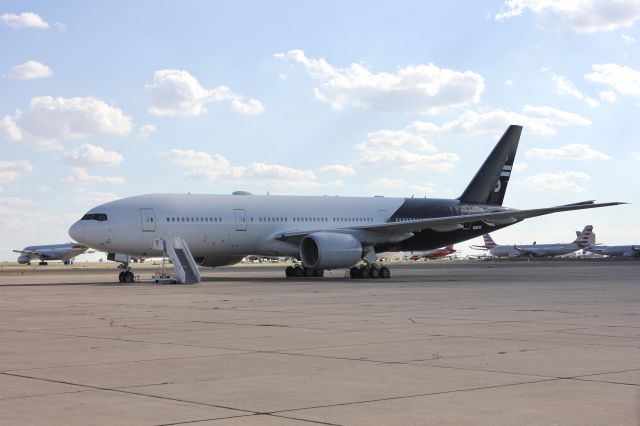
column 501, row 216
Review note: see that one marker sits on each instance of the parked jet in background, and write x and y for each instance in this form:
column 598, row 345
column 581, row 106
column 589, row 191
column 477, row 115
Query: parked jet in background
column 417, row 255
column 63, row 252
column 584, row 239
column 323, row 232
column 626, row 251
column 435, row 254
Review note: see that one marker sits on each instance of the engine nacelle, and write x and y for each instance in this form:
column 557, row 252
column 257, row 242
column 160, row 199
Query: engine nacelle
column 328, row 250
column 22, row 259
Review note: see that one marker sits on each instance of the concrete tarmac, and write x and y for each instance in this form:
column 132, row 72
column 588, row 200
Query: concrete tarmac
column 444, row 343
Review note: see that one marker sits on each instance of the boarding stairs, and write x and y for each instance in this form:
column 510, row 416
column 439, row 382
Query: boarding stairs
column 186, row 269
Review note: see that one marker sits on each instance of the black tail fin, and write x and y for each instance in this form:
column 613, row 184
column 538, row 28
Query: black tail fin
column 490, row 183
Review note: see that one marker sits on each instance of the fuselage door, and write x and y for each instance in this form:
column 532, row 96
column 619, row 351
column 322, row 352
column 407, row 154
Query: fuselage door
column 148, row 220
column 241, row 219
column 384, row 216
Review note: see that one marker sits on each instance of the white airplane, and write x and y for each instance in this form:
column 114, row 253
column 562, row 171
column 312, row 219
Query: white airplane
column 584, row 239
column 626, row 251
column 63, row 252
column 323, row 232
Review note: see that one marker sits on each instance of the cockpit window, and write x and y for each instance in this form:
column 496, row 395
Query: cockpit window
column 101, row 217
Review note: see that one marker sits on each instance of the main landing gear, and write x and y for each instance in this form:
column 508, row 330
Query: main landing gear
column 301, row 271
column 369, row 271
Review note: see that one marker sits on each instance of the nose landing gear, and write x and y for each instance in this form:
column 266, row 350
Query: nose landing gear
column 126, row 276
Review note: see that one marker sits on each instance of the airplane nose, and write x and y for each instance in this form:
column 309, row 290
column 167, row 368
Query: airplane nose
column 76, row 232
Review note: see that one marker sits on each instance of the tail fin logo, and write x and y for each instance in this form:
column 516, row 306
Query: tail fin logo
column 586, row 237
column 488, row 241
column 505, row 173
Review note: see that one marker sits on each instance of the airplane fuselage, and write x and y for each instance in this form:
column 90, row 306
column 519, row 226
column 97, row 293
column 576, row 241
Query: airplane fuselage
column 221, row 229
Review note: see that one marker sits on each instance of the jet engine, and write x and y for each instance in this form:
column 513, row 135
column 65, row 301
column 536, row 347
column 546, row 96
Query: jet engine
column 328, row 250
column 23, row 259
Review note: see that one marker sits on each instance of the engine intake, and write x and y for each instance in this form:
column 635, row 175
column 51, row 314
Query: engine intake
column 328, row 250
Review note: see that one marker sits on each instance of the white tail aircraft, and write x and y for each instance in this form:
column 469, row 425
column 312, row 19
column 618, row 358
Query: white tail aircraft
column 323, row 232
column 584, row 239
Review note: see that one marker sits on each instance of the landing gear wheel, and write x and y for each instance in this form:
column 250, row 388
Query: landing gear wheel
column 385, row 272
column 364, row 272
column 354, row 272
column 121, row 276
column 290, row 271
column 375, row 272
column 319, row 273
column 298, row 271
column 128, row 277
column 308, row 272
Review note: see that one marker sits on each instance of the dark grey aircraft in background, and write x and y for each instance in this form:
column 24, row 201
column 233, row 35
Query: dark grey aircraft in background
column 63, row 252
column 626, row 251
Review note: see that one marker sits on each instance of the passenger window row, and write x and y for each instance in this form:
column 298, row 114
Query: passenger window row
column 194, row 219
column 266, row 219
column 315, row 219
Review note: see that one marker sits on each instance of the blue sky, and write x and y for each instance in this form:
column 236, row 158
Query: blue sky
column 102, row 100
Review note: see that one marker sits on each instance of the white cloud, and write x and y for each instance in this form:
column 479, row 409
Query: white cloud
column 608, row 96
column 45, row 188
column 15, row 201
column 508, row 83
column 520, row 167
column 388, row 183
column 424, row 88
column 32, row 219
column 210, row 167
column 98, row 197
column 146, row 130
column 338, row 169
column 424, row 188
column 622, row 79
column 30, row 70
column 566, row 87
column 559, row 181
column 539, row 120
column 50, row 120
column 399, row 149
column 585, row 16
column 628, row 39
column 79, row 175
column 23, row 20
column 574, row 151
column 635, row 156
column 11, row 170
column 178, row 93
column 93, row 155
